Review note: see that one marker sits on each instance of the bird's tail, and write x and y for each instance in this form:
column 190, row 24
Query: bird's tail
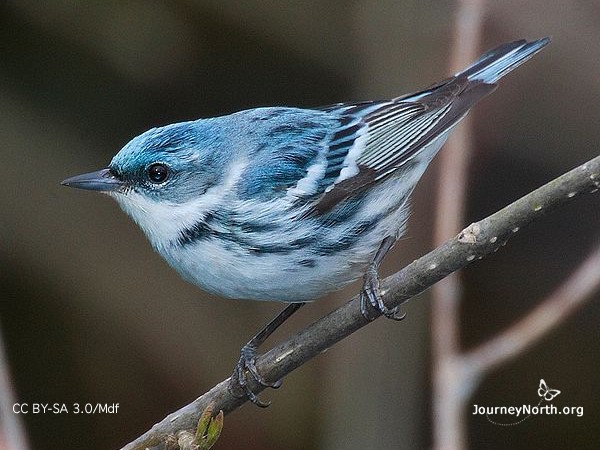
column 496, row 63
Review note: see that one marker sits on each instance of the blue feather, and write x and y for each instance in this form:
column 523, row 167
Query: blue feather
column 288, row 203
column 285, row 143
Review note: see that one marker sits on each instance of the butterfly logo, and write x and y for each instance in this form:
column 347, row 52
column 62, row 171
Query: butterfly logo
column 545, row 392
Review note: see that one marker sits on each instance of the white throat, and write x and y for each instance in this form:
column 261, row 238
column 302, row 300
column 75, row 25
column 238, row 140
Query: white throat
column 162, row 221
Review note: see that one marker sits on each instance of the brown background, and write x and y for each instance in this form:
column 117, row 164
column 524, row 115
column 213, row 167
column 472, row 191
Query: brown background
column 90, row 314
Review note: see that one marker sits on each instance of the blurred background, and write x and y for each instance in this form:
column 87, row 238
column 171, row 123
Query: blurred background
column 90, row 314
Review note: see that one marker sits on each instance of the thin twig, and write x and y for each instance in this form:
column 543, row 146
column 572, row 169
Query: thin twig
column 448, row 430
column 475, row 242
column 11, row 425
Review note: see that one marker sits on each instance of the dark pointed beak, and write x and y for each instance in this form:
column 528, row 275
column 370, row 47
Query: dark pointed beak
column 101, row 180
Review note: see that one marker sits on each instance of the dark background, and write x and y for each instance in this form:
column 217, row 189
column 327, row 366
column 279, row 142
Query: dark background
column 90, row 314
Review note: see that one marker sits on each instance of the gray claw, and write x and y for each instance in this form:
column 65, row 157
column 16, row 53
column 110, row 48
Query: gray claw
column 371, row 296
column 245, row 367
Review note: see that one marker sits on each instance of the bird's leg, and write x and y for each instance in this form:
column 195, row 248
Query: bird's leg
column 371, row 294
column 246, row 366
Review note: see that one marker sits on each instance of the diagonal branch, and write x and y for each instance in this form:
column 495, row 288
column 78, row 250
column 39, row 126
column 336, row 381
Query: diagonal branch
column 473, row 243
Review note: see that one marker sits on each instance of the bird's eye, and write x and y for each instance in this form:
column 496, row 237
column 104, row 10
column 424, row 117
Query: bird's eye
column 157, row 173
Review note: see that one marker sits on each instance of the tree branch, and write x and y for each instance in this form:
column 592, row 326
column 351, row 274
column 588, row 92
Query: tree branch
column 473, row 243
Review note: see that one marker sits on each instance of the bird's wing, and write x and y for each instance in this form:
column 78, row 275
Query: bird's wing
column 390, row 134
column 326, row 155
column 386, row 135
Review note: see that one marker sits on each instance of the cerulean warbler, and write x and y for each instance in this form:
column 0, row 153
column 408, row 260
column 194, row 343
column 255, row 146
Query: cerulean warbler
column 290, row 204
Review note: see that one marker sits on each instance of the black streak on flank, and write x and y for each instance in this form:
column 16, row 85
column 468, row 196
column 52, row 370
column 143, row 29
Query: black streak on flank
column 211, row 226
column 197, row 232
column 348, row 240
column 240, row 235
column 268, row 249
column 214, row 225
column 307, row 263
column 255, row 227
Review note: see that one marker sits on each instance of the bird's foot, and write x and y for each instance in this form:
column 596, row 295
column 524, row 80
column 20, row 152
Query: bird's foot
column 245, row 369
column 370, row 298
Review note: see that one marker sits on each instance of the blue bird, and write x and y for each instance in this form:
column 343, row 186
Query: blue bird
column 290, row 204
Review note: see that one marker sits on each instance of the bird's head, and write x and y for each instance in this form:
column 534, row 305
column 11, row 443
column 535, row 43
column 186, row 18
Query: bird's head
column 159, row 175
